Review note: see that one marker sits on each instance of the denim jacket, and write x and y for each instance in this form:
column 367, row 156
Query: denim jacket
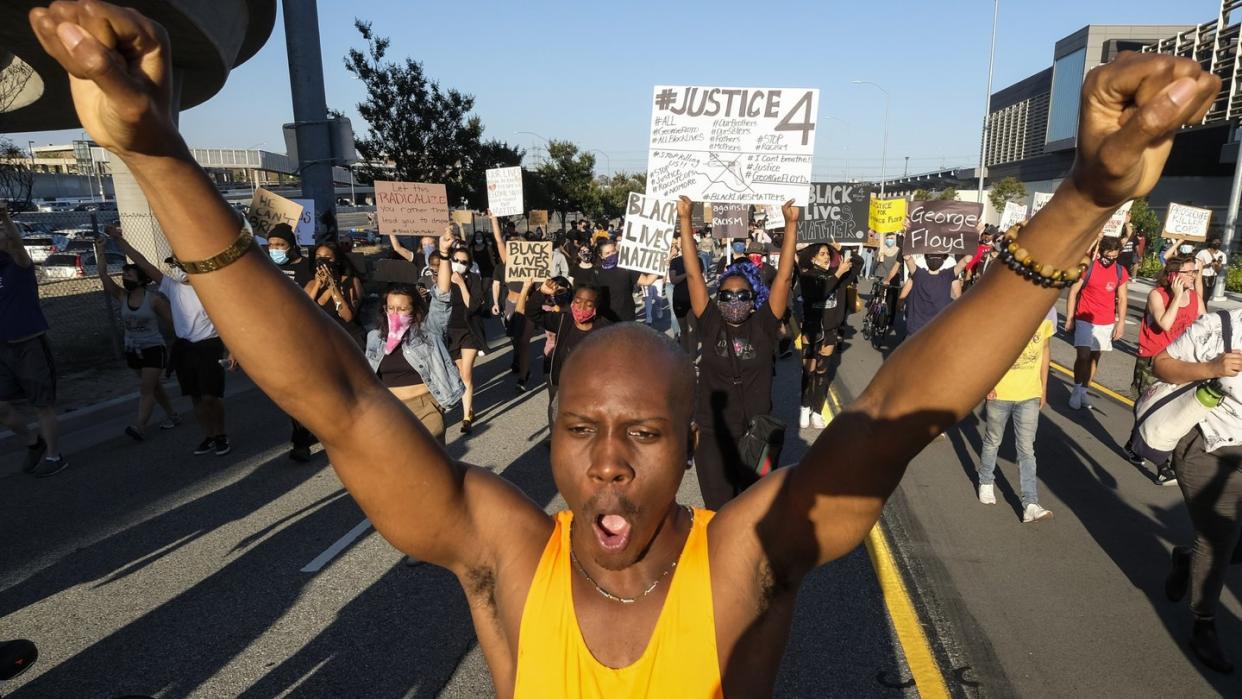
column 425, row 351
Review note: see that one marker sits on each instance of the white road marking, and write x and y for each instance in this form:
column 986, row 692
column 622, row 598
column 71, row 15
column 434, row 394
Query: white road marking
column 331, row 552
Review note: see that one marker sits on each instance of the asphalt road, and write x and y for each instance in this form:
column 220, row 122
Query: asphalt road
column 145, row 570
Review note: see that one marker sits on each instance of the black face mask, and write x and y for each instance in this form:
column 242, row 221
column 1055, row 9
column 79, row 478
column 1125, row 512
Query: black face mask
column 1107, row 261
column 131, row 284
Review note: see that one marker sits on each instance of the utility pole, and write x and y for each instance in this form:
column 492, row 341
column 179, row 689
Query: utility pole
column 906, row 173
column 987, row 104
column 310, row 106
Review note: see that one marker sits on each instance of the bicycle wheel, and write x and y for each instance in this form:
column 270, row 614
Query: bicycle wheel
column 880, row 329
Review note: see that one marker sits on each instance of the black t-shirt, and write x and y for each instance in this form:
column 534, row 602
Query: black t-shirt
column 568, row 335
column 681, row 290
column 616, row 291
column 754, row 342
column 460, row 311
column 485, row 259
column 824, row 295
column 298, row 271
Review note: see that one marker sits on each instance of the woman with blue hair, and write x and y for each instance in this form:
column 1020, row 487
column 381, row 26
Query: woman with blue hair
column 739, row 335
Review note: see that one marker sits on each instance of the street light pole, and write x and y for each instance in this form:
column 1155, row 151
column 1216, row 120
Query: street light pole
column 987, row 103
column 884, row 148
column 607, row 157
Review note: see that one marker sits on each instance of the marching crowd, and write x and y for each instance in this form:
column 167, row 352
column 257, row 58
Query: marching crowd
column 618, row 451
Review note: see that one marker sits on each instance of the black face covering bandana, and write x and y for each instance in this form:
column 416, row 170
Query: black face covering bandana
column 1107, row 261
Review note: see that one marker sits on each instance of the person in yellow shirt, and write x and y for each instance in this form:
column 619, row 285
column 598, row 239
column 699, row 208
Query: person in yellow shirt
column 1021, row 393
column 627, row 593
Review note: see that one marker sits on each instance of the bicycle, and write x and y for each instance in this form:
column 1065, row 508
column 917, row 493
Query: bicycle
column 878, row 320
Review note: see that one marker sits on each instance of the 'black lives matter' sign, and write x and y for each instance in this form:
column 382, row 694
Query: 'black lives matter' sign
column 527, row 260
column 836, row 211
column 943, row 227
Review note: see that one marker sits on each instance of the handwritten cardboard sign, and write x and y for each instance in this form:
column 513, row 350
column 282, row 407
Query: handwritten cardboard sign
column 1038, row 201
column 268, row 209
column 411, row 208
column 1117, row 222
column 836, row 211
column 887, row 215
column 650, row 226
column 527, row 260
column 730, row 220
column 537, row 217
column 1013, row 214
column 1187, row 222
column 738, row 145
column 463, row 217
column 504, row 191
column 943, row 227
column 304, row 232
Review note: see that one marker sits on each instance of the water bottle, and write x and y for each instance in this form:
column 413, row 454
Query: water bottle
column 1210, row 393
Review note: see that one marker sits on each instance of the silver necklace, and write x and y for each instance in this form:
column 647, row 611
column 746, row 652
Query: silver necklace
column 618, row 598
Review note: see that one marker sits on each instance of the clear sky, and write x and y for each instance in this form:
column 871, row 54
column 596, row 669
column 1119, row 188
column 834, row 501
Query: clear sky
column 583, row 70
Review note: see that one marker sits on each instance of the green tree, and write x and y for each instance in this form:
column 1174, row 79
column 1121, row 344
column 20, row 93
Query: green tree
column 614, row 192
column 569, row 178
column 921, row 194
column 1005, row 191
column 948, row 194
column 16, row 177
column 1146, row 223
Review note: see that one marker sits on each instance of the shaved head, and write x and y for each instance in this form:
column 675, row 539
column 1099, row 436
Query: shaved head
column 654, row 359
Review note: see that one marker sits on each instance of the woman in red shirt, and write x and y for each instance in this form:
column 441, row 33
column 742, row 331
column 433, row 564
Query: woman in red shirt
column 1171, row 308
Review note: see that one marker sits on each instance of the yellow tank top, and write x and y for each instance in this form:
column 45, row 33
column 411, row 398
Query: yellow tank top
column 680, row 659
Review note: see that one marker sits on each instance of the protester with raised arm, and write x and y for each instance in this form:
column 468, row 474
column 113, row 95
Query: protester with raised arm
column 626, row 592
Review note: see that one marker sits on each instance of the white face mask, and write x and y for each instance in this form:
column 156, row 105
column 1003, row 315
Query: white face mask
column 176, row 274
column 459, row 268
column 1186, row 249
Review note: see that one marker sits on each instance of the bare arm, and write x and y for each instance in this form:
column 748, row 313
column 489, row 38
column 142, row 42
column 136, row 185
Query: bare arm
column 1045, row 365
column 151, row 270
column 823, row 507
column 778, row 296
column 955, row 291
column 1123, row 302
column 1163, row 314
column 400, row 249
column 500, row 241
column 1071, row 303
column 110, row 287
column 1178, row 372
column 694, row 271
column 420, row 500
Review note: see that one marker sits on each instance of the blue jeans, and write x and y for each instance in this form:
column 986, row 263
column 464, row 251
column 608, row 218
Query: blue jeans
column 668, row 294
column 1025, row 419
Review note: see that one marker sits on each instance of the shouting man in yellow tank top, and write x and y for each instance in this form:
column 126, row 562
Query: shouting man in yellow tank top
column 628, row 593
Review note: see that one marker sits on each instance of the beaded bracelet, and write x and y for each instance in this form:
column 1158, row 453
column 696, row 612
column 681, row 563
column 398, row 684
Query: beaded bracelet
column 1016, row 258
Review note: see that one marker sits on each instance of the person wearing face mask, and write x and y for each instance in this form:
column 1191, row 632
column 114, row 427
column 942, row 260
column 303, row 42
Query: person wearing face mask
column 517, row 324
column 464, row 339
column 738, row 332
column 337, row 288
column 824, row 277
column 407, row 352
column 616, row 285
column 929, row 291
column 573, row 319
column 199, row 355
column 1095, row 312
column 419, row 257
column 736, row 250
column 284, row 250
column 1212, row 261
column 145, row 351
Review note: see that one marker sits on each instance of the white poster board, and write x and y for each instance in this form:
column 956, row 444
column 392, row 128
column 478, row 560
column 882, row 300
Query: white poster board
column 650, row 226
column 1013, row 214
column 1187, row 222
column 1038, row 201
column 775, row 218
column 734, row 145
column 1117, row 222
column 504, row 191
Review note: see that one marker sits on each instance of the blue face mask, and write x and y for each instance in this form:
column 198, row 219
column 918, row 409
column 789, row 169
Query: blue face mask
column 427, row 250
column 279, row 256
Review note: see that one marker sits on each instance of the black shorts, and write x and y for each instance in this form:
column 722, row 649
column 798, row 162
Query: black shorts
column 28, row 371
column 460, row 339
column 198, row 367
column 147, row 358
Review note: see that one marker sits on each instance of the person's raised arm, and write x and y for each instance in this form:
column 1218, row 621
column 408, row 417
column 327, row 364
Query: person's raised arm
column 139, row 259
column 400, row 249
column 421, row 501
column 101, row 268
column 13, row 240
column 694, row 272
column 823, row 507
column 778, row 295
column 501, row 248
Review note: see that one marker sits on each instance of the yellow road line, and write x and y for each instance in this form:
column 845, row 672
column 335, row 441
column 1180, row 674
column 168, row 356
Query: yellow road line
column 1102, row 389
column 919, row 658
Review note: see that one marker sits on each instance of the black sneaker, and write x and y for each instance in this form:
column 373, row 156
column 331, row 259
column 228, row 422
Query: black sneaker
column 1166, row 476
column 50, row 467
column 134, row 433
column 1179, row 574
column 1133, row 458
column 222, row 445
column 16, row 657
column 205, row 446
column 299, row 454
column 1206, row 646
column 34, row 453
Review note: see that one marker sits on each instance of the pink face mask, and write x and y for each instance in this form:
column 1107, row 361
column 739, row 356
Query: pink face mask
column 582, row 315
column 398, row 323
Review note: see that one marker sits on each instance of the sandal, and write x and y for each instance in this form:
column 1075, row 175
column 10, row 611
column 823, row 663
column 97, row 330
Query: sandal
column 467, row 423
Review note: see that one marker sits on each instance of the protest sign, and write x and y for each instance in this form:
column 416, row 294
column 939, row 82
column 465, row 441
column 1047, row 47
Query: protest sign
column 775, row 218
column 948, row 227
column 650, row 226
column 1187, row 222
column 874, row 240
column 887, row 215
column 528, row 260
column 304, row 232
column 730, row 220
column 836, row 211
column 411, row 208
column 707, row 214
column 267, row 210
column 537, row 217
column 463, row 217
column 1013, row 214
column 1112, row 228
column 1038, row 200
column 738, row 145
column 698, row 215
column 504, row 191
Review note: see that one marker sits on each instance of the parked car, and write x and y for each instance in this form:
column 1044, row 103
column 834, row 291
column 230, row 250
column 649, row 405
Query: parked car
column 78, row 265
column 54, row 206
column 362, row 235
column 39, row 247
column 96, row 206
column 83, row 244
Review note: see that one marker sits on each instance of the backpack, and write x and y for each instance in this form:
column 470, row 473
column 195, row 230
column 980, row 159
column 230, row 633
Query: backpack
column 1165, row 413
column 1087, row 277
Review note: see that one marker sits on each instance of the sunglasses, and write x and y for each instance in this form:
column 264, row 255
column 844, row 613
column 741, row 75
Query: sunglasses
column 740, row 295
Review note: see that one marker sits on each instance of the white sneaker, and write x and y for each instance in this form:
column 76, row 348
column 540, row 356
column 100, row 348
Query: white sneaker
column 1035, row 513
column 804, row 418
column 1076, row 396
column 1086, row 399
column 817, row 421
column 987, row 494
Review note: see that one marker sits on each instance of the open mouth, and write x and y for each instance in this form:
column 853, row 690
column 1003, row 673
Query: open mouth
column 612, row 531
